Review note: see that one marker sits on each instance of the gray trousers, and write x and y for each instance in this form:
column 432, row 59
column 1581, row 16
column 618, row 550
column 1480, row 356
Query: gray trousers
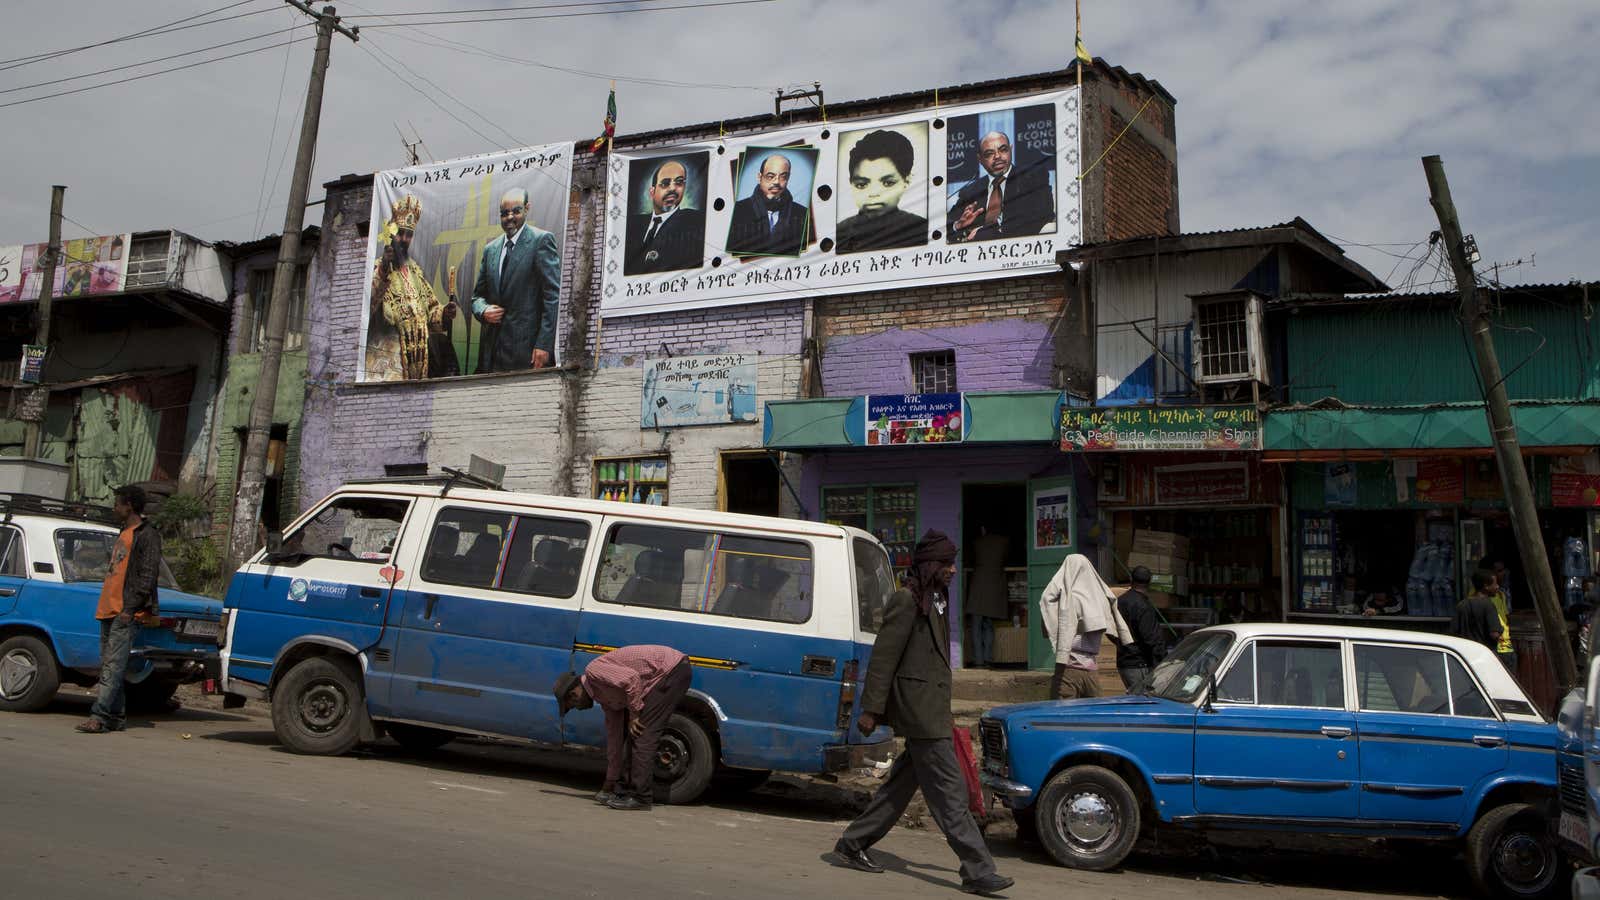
column 929, row 765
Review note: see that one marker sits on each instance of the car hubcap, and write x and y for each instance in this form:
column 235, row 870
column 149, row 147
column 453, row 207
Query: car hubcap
column 323, row 707
column 1087, row 819
column 672, row 756
column 18, row 671
column 1522, row 860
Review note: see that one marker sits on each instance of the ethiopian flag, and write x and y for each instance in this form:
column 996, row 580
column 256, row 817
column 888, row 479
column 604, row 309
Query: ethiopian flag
column 602, row 142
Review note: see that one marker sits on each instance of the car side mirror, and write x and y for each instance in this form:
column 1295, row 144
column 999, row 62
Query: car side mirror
column 275, row 546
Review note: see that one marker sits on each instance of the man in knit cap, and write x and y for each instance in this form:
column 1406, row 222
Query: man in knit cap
column 908, row 686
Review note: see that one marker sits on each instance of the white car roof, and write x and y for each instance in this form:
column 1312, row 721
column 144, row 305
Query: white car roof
column 1484, row 663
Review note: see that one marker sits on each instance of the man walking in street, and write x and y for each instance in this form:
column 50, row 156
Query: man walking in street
column 638, row 687
column 1077, row 611
column 1135, row 661
column 1476, row 618
column 128, row 597
column 908, row 687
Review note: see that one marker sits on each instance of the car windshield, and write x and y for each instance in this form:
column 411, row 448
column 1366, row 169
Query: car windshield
column 1186, row 671
column 86, row 556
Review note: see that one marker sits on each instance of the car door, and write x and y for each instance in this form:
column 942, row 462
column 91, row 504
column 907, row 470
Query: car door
column 13, row 568
column 1428, row 734
column 1278, row 742
column 488, row 619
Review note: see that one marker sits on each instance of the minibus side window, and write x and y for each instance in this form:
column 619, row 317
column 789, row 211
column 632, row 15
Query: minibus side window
column 874, row 584
column 357, row 529
column 734, row 575
column 490, row 549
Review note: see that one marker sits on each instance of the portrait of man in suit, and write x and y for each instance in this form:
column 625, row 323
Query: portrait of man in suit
column 771, row 222
column 518, row 292
column 669, row 235
column 1005, row 200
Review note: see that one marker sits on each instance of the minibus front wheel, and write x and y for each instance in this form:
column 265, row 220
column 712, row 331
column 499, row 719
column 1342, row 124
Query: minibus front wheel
column 317, row 707
column 685, row 760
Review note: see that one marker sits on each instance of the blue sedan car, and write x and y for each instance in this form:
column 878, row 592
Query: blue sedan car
column 1334, row 730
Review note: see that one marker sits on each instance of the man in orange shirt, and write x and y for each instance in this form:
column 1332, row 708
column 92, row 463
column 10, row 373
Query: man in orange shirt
column 127, row 598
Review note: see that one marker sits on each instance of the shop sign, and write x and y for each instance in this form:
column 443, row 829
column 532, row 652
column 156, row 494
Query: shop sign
column 699, row 390
column 33, row 363
column 1202, row 483
column 1575, row 480
column 1430, row 481
column 913, row 419
column 1211, row 428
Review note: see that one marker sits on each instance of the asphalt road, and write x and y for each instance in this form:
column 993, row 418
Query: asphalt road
column 202, row 803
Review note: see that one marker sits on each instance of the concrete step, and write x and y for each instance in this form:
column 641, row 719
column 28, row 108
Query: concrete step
column 1000, row 686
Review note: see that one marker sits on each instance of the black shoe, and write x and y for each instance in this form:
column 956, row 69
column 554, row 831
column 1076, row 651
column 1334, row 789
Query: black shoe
column 859, row 860
column 603, row 797
column 629, row 803
column 988, row 885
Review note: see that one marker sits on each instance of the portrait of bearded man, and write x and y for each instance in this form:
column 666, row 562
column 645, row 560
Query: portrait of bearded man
column 770, row 222
column 404, row 307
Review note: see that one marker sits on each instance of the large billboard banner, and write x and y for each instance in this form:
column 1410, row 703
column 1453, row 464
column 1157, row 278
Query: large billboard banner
column 88, row 267
column 956, row 193
column 464, row 266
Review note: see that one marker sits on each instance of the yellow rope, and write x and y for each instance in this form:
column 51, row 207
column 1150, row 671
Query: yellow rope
column 1085, row 173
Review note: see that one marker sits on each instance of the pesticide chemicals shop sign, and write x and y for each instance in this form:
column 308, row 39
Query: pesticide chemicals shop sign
column 1160, row 428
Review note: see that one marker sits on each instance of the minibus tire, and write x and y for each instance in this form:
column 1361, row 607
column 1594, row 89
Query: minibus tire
column 317, row 708
column 693, row 761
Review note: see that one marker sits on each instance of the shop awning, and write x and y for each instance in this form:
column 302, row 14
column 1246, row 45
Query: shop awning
column 1295, row 433
column 992, row 417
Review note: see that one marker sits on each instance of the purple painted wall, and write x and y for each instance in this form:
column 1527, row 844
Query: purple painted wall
column 1003, row 355
column 938, row 473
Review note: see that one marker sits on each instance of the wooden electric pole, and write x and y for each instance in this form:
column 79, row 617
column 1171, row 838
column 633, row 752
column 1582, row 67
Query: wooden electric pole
column 1503, row 433
column 32, row 430
column 252, row 475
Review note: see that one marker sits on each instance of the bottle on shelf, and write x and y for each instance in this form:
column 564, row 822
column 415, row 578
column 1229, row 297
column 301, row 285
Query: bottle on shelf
column 638, row 495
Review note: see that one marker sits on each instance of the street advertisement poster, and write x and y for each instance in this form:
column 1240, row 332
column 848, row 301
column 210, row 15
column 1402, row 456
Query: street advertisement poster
column 947, row 194
column 88, row 267
column 699, row 390
column 1160, row 428
column 1575, row 480
column 464, row 264
column 1202, row 483
column 32, row 363
column 913, row 419
column 1052, row 518
column 1436, row 481
column 1339, row 484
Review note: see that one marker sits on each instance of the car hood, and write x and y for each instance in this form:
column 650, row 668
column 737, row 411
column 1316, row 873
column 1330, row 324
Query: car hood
column 173, row 602
column 1090, row 708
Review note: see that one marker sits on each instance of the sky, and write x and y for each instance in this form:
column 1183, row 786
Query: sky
column 1314, row 109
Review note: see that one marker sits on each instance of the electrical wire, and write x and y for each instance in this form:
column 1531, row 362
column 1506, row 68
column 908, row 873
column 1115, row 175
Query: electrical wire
column 146, row 75
column 515, row 141
column 272, row 139
column 429, row 97
column 493, row 9
column 601, row 12
column 20, row 61
column 146, row 62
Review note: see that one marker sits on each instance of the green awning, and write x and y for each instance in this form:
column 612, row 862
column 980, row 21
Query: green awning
column 1443, row 427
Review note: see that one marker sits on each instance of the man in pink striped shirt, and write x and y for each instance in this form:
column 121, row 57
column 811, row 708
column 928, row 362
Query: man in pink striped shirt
column 638, row 688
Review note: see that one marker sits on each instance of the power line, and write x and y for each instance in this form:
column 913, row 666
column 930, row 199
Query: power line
column 20, row 61
column 493, row 9
column 146, row 75
column 146, row 62
column 272, row 139
column 515, row 141
column 429, row 97
column 600, row 12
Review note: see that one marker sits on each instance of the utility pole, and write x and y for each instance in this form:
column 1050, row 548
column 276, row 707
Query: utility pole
column 41, row 336
column 1503, row 432
column 252, row 477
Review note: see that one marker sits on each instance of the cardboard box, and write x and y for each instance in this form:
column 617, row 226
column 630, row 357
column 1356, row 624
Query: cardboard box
column 1165, row 543
column 1158, row 563
column 1106, row 670
column 1170, row 584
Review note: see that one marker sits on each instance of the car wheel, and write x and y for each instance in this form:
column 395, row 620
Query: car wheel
column 151, row 696
column 29, row 676
column 1087, row 818
column 1510, row 854
column 317, row 707
column 685, row 761
column 418, row 739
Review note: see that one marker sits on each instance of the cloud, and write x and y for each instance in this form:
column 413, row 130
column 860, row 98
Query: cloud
column 1314, row 109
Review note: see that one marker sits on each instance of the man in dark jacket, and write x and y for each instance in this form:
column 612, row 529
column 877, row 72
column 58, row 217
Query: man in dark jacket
column 908, row 686
column 770, row 222
column 1136, row 660
column 1476, row 618
column 128, row 597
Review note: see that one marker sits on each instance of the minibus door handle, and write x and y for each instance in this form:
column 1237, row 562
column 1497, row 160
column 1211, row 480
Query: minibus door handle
column 430, row 600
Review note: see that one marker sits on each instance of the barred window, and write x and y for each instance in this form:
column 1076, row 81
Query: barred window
column 934, row 373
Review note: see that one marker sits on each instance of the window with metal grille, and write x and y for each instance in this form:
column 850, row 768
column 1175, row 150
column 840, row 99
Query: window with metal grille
column 147, row 261
column 934, row 373
column 1224, row 338
column 294, row 335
